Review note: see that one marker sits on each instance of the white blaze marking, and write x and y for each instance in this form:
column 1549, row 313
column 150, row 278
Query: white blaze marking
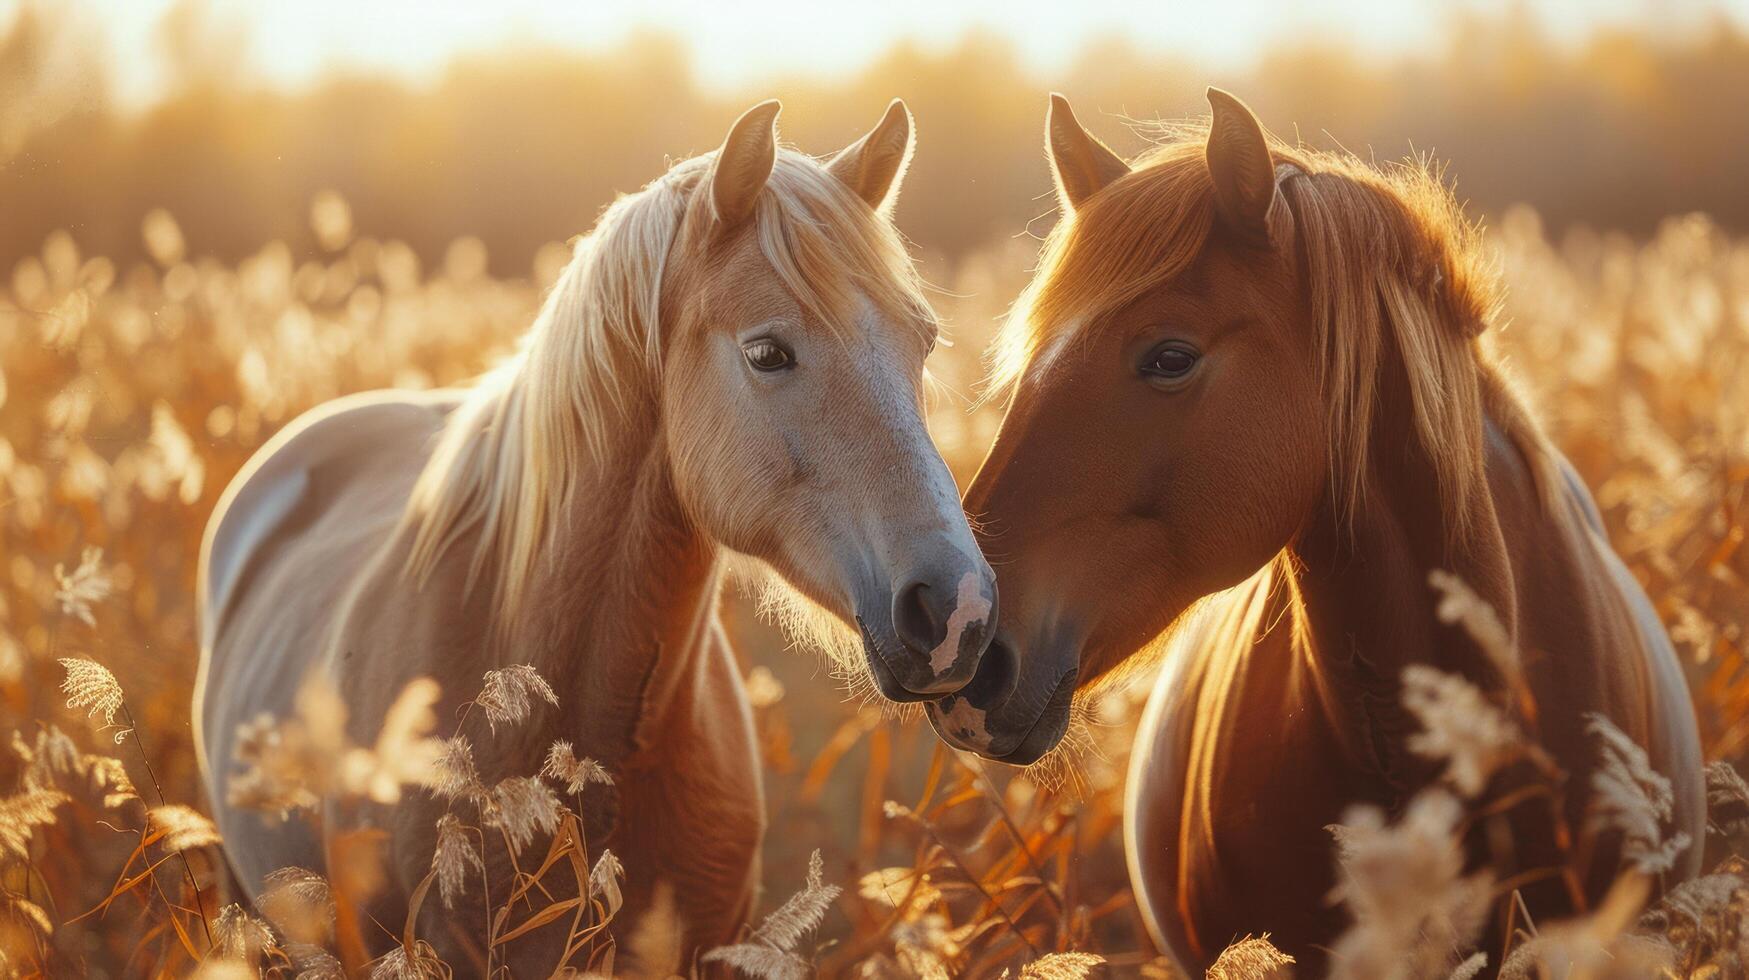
column 970, row 607
column 1048, row 354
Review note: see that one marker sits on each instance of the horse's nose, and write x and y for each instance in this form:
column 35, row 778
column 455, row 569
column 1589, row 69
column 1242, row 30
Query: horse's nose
column 996, row 678
column 920, row 616
column 945, row 624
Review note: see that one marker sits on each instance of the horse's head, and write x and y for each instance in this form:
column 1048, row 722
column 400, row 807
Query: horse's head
column 792, row 398
column 1166, row 432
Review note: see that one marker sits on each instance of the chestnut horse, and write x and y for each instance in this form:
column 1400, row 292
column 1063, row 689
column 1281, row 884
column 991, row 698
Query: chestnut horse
column 732, row 360
column 1244, row 363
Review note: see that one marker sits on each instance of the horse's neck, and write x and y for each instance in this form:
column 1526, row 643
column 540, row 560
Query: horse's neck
column 622, row 613
column 1368, row 605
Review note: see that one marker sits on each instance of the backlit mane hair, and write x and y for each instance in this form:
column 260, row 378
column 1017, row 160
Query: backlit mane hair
column 1393, row 267
column 513, row 455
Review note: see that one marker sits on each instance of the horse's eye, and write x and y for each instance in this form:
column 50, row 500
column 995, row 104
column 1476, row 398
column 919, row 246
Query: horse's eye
column 766, row 354
column 1171, row 362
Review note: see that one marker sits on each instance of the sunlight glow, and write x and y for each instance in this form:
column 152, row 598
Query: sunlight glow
column 741, row 43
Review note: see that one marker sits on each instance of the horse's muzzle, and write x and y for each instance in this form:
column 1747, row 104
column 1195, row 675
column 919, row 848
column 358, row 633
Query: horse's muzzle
column 997, row 718
column 939, row 628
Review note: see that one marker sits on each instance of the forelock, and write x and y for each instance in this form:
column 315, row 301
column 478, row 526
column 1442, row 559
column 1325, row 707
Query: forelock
column 1136, row 234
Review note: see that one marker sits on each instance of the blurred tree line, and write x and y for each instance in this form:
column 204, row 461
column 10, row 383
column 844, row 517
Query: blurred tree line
column 524, row 147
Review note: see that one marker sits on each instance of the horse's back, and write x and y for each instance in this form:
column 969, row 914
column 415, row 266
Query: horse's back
column 1673, row 732
column 283, row 547
column 337, row 443
column 1596, row 645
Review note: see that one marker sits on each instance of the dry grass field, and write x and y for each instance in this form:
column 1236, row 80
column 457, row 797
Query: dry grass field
column 130, row 394
column 299, row 243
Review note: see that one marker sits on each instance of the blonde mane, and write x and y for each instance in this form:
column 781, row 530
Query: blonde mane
column 511, row 459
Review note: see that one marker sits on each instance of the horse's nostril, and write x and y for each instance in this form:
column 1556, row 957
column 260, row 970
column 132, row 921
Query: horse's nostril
column 998, row 674
column 918, row 617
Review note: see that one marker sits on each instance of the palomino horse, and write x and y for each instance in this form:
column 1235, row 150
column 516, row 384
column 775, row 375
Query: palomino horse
column 1239, row 357
column 732, row 360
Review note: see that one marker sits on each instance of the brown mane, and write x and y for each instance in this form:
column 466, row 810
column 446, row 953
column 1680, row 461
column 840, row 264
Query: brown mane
column 1391, row 259
column 1395, row 269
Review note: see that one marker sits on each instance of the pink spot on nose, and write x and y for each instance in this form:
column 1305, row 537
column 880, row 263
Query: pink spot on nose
column 964, row 723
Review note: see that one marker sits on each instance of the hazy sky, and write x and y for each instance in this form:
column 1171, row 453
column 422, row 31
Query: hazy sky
column 739, row 41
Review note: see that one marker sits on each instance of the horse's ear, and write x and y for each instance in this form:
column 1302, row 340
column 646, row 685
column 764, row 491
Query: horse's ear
column 744, row 163
column 874, row 165
column 1080, row 164
column 1240, row 165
